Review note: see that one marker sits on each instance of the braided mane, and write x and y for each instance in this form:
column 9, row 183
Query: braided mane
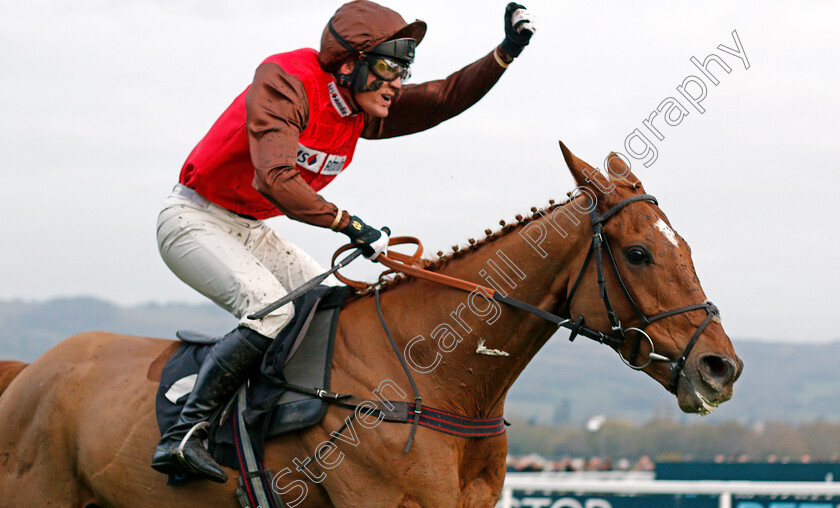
column 433, row 265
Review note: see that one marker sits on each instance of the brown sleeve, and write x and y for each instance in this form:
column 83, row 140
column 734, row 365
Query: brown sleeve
column 419, row 107
column 277, row 112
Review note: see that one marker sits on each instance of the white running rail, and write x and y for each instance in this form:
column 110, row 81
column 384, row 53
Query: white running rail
column 635, row 484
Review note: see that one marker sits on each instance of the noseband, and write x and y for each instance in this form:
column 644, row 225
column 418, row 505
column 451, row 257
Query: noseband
column 599, row 244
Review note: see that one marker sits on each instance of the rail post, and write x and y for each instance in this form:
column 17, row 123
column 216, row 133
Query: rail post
column 507, row 498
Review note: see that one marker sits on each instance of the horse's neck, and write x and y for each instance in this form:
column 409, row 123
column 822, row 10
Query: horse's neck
column 461, row 378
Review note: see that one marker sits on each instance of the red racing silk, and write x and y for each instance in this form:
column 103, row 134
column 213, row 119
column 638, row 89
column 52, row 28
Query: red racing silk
column 220, row 168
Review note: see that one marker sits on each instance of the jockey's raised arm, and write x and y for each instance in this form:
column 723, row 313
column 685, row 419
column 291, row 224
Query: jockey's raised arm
column 281, row 141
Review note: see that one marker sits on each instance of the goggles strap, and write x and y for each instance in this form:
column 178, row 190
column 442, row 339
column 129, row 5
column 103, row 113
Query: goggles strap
column 344, row 43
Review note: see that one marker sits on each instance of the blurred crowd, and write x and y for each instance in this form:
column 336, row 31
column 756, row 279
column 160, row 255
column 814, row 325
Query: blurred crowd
column 537, row 463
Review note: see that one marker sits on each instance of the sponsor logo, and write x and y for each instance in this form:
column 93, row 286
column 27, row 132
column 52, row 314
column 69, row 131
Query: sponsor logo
column 319, row 162
column 310, row 159
column 337, row 100
column 334, row 165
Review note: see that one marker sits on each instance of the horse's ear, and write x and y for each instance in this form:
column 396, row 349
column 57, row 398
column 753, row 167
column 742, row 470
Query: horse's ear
column 583, row 173
column 622, row 176
column 621, row 184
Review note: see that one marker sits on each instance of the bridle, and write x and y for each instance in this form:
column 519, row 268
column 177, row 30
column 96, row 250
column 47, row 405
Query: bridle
column 599, row 244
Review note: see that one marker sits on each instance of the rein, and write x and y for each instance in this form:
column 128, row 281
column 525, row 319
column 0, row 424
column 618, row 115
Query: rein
column 398, row 262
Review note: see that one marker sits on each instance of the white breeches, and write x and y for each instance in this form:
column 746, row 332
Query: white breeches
column 240, row 264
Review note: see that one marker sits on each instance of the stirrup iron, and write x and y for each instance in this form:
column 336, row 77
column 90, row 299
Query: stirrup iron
column 195, row 428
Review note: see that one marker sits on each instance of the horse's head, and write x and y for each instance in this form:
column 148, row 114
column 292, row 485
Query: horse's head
column 670, row 329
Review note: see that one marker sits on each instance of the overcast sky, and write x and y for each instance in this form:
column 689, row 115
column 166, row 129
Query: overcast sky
column 101, row 101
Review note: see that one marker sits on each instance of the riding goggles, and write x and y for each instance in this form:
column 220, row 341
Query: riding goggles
column 388, row 69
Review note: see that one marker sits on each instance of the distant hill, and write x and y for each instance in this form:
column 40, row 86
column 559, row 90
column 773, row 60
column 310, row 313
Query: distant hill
column 29, row 329
column 566, row 383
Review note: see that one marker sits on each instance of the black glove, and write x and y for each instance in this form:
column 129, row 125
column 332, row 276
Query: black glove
column 519, row 27
column 372, row 241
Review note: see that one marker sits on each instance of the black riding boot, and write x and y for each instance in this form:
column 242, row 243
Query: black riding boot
column 223, row 371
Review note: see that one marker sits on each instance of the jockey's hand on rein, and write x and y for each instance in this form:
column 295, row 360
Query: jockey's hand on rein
column 372, row 241
column 519, row 27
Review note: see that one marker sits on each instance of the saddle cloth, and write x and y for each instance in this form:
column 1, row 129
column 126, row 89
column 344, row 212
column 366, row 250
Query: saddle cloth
column 301, row 355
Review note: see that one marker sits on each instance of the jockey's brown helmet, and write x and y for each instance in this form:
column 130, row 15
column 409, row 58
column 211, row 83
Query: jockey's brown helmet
column 359, row 29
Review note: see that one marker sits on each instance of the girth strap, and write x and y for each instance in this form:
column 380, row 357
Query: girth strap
column 398, row 411
column 457, row 425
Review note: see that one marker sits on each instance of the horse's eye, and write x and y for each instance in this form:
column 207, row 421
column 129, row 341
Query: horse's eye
column 637, row 255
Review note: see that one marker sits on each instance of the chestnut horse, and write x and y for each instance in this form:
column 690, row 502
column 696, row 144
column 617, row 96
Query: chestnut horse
column 77, row 426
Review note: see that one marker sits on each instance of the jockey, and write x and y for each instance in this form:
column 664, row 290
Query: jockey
column 290, row 133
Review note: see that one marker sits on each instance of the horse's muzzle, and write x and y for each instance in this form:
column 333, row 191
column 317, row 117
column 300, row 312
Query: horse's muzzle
column 708, row 382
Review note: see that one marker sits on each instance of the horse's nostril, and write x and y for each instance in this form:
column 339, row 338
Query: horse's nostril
column 715, row 365
column 720, row 368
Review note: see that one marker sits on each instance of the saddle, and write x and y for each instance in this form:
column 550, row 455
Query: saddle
column 300, row 357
